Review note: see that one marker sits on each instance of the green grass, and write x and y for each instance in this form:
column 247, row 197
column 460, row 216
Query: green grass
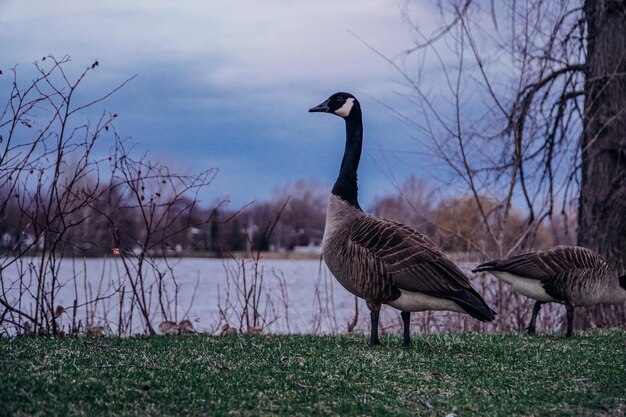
column 464, row 374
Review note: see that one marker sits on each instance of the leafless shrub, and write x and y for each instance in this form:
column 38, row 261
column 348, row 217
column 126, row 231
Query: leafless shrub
column 282, row 299
column 45, row 195
column 61, row 199
column 325, row 309
column 247, row 305
column 165, row 204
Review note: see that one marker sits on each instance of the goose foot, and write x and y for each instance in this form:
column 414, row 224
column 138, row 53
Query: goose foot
column 374, row 343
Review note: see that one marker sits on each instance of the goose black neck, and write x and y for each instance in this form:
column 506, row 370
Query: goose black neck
column 346, row 185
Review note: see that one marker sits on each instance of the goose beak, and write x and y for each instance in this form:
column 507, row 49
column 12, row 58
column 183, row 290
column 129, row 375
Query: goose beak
column 320, row 108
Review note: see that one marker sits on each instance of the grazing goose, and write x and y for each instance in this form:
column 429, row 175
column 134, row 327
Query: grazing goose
column 384, row 261
column 569, row 275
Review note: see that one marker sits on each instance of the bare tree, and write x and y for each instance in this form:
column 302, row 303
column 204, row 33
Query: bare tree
column 485, row 113
column 602, row 207
column 527, row 107
column 602, row 213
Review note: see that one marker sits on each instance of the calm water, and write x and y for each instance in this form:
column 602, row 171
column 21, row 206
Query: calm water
column 297, row 296
column 292, row 296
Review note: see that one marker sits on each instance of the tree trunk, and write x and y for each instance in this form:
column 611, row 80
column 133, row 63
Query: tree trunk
column 602, row 209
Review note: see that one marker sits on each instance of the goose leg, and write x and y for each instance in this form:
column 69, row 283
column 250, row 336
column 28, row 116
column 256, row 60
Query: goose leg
column 374, row 341
column 374, row 314
column 570, row 321
column 406, row 320
column 533, row 318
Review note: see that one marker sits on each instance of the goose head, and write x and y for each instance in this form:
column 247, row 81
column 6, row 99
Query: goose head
column 341, row 104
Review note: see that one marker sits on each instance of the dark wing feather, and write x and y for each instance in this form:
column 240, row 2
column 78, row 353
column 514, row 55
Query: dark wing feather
column 415, row 263
column 546, row 264
column 412, row 260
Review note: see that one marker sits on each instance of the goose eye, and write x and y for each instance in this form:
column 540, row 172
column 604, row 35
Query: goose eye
column 340, row 98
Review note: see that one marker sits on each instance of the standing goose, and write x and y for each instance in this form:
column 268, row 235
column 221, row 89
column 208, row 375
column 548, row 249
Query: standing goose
column 569, row 275
column 384, row 261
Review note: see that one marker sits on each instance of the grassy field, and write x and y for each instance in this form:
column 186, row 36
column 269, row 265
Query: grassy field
column 440, row 375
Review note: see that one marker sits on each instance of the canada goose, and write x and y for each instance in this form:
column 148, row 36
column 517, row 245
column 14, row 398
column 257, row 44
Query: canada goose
column 569, row 275
column 384, row 261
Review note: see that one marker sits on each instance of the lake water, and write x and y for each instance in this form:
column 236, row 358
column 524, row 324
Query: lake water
column 297, row 296
column 290, row 296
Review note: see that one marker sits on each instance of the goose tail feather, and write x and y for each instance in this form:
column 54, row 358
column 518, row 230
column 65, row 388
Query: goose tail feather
column 474, row 305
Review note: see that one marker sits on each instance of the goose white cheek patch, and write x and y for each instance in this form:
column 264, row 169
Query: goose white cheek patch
column 344, row 110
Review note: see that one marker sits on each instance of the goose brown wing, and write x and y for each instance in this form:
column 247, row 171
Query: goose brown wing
column 411, row 259
column 547, row 264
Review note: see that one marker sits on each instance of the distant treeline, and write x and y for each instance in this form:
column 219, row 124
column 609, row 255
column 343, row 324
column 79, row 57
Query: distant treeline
column 293, row 217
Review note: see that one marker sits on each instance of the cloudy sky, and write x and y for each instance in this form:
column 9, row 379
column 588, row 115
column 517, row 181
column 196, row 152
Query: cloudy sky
column 227, row 84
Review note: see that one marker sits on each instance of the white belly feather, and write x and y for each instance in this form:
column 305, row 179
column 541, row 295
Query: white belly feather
column 531, row 288
column 414, row 301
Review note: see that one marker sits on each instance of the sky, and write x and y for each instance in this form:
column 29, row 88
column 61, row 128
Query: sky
column 227, row 85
